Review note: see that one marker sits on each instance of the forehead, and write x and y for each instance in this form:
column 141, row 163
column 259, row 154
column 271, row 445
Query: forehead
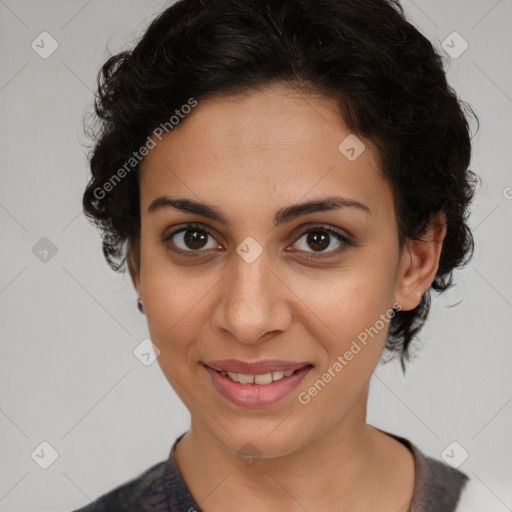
column 263, row 148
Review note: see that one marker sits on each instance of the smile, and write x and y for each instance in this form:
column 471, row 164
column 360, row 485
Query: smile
column 256, row 389
column 261, row 379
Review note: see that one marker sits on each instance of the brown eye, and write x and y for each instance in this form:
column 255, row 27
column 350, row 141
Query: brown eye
column 319, row 239
column 195, row 239
column 190, row 239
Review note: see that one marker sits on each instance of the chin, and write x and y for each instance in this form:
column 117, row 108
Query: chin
column 260, row 440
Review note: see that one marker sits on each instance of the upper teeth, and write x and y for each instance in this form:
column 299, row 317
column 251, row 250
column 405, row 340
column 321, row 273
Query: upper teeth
column 265, row 378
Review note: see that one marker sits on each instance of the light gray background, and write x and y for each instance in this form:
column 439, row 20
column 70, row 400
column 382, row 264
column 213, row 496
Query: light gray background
column 69, row 326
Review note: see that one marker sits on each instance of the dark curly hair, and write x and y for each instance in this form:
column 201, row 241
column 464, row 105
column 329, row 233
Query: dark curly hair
column 387, row 77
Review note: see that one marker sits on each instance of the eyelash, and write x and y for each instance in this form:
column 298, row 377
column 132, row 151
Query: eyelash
column 310, row 255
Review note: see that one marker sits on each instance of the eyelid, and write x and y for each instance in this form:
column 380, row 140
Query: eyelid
column 345, row 239
column 324, row 227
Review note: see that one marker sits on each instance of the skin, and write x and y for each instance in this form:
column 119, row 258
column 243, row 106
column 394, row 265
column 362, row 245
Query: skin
column 250, row 155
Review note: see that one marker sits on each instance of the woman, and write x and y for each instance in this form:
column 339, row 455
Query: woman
column 286, row 182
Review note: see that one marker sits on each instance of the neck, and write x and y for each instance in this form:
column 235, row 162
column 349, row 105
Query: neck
column 340, row 465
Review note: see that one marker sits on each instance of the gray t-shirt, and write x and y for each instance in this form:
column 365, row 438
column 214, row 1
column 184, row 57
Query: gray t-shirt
column 162, row 488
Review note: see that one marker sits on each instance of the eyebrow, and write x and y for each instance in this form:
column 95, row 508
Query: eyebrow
column 283, row 215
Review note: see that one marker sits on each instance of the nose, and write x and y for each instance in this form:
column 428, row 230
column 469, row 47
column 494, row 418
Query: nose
column 253, row 301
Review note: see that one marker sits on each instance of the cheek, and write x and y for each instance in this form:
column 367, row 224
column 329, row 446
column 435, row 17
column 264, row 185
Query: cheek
column 174, row 304
column 351, row 322
column 350, row 315
column 174, row 311
column 344, row 303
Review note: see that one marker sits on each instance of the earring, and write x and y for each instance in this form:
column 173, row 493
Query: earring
column 139, row 305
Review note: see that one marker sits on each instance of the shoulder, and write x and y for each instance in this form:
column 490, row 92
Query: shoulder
column 437, row 485
column 442, row 487
column 140, row 494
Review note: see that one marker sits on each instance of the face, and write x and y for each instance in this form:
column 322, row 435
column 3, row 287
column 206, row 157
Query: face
column 255, row 280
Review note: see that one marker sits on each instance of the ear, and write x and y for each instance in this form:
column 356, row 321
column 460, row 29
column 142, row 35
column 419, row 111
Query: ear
column 133, row 261
column 419, row 264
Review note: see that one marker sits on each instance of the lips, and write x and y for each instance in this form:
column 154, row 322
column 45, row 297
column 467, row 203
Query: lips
column 256, row 389
column 256, row 368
